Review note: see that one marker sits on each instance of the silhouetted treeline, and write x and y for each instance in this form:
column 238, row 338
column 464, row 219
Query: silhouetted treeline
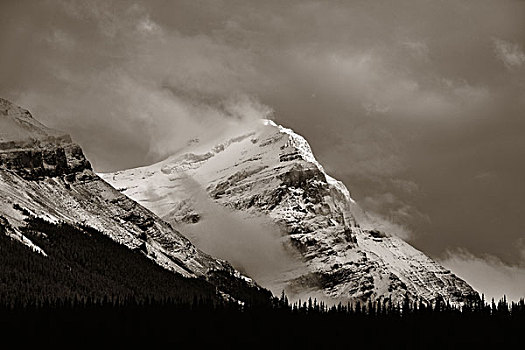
column 384, row 307
column 205, row 323
column 91, row 291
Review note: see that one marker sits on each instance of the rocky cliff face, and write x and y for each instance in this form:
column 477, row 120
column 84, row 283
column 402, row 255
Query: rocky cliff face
column 36, row 163
column 271, row 171
column 34, row 151
column 44, row 174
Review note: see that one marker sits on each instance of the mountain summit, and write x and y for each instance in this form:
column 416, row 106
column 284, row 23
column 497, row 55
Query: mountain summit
column 268, row 171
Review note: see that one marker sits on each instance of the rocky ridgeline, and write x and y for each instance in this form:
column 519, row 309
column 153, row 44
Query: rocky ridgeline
column 39, row 162
column 44, row 174
column 34, row 151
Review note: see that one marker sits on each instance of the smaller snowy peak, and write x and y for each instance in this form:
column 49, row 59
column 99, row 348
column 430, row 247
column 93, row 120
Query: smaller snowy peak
column 18, row 129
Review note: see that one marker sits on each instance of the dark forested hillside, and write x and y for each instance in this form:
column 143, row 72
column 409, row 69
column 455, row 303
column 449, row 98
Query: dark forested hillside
column 83, row 264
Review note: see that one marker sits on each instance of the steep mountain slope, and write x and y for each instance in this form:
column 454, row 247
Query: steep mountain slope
column 43, row 174
column 271, row 171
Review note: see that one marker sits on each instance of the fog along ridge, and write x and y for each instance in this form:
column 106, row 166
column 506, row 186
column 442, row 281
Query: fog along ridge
column 44, row 174
column 323, row 243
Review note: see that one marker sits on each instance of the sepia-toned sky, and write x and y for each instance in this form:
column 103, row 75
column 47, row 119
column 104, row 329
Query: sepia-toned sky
column 417, row 106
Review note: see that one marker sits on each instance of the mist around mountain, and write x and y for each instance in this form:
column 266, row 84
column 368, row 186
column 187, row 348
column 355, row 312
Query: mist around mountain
column 45, row 176
column 83, row 264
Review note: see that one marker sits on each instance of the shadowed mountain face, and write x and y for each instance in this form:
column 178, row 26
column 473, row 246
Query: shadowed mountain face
column 44, row 174
column 269, row 173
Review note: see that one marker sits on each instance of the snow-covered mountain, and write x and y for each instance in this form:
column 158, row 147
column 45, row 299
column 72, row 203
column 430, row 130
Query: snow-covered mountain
column 44, row 174
column 266, row 171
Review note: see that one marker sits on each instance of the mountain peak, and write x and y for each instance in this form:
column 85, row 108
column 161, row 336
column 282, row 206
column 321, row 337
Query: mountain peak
column 305, row 151
column 270, row 172
column 296, row 141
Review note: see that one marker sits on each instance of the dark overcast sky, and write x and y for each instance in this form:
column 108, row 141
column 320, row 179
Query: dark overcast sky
column 418, row 106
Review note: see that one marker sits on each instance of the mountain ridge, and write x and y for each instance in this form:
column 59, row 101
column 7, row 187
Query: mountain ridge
column 43, row 174
column 271, row 171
